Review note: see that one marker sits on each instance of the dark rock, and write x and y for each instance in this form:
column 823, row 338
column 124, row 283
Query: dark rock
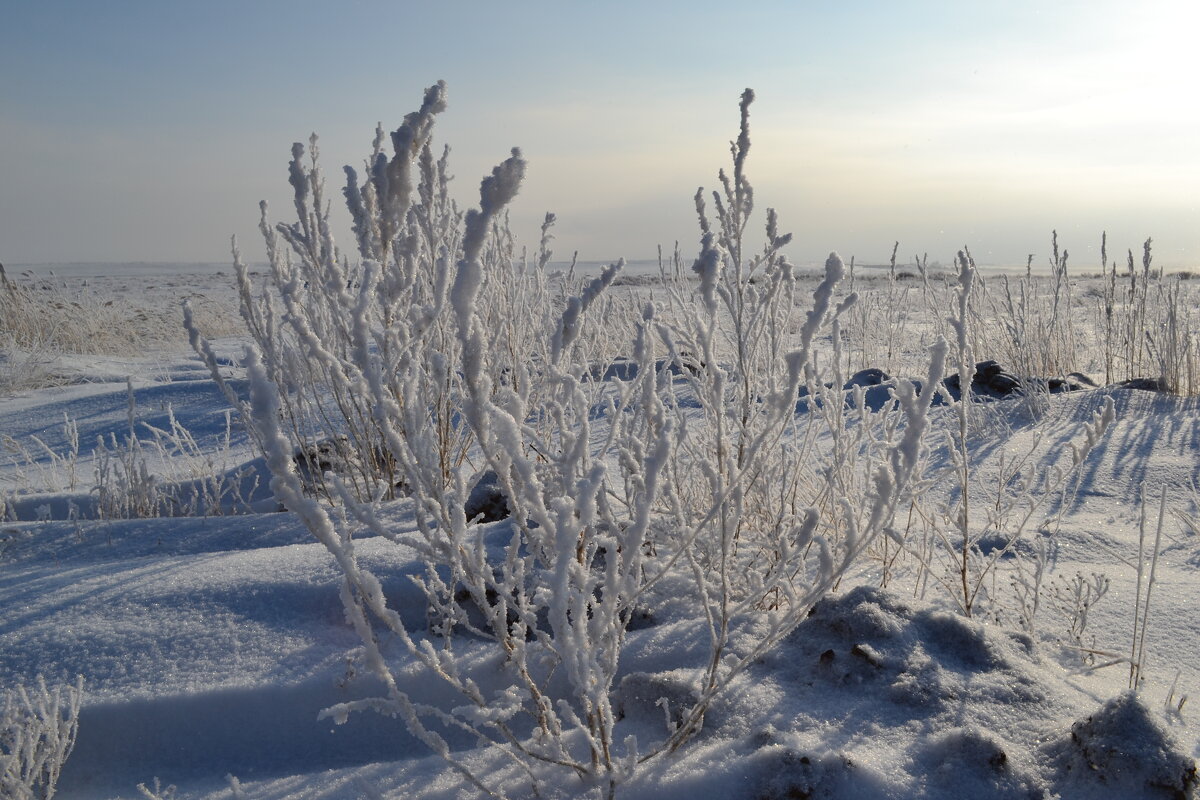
column 640, row 619
column 626, row 369
column 1145, row 384
column 1074, row 382
column 341, row 456
column 687, row 361
column 328, row 455
column 1083, row 381
column 487, row 501
column 479, row 613
column 1003, row 383
column 621, row 369
column 991, row 378
column 867, row 377
column 986, row 370
column 875, row 398
column 991, row 381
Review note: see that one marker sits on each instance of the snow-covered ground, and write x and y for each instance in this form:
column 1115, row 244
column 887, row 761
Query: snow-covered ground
column 210, row 644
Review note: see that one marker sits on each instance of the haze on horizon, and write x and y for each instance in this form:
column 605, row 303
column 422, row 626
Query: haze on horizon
column 147, row 131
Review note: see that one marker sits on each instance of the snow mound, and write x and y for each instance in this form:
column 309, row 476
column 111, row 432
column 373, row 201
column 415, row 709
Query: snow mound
column 1122, row 751
column 790, row 774
column 877, row 696
column 971, row 762
column 923, row 658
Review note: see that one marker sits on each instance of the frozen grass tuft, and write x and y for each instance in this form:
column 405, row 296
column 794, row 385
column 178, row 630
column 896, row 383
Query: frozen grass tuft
column 37, row 732
column 43, row 318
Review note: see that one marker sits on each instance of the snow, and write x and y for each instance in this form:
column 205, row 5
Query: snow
column 210, row 645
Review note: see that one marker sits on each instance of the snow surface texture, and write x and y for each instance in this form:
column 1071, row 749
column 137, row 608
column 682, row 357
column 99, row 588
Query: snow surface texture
column 209, row 645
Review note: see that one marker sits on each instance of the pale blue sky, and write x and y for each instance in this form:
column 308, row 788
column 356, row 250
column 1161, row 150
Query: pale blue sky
column 147, row 131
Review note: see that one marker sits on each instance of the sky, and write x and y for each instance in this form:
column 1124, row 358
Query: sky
column 149, row 131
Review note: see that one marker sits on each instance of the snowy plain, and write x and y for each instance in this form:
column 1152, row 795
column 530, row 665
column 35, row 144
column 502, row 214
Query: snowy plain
column 210, row 643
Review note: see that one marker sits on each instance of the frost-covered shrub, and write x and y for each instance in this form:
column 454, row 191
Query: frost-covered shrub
column 37, row 733
column 771, row 507
column 692, row 462
column 366, row 348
